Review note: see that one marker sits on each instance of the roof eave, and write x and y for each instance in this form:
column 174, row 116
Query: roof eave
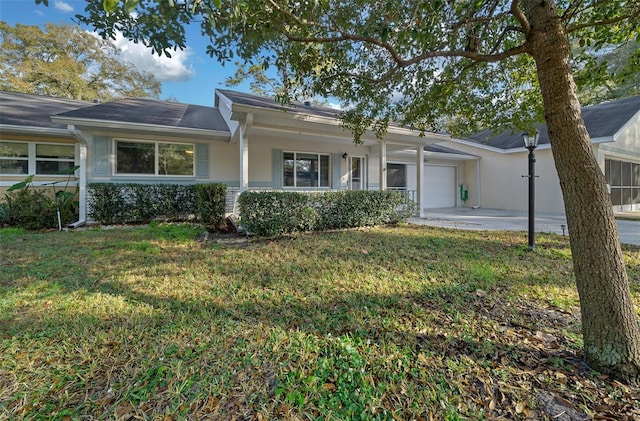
column 33, row 130
column 394, row 134
column 149, row 128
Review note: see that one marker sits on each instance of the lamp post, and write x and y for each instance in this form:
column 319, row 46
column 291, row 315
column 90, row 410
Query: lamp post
column 531, row 142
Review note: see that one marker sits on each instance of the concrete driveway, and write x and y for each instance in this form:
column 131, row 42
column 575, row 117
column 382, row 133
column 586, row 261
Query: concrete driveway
column 506, row 220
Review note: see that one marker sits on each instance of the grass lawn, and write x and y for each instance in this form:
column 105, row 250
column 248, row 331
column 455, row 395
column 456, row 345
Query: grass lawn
column 385, row 323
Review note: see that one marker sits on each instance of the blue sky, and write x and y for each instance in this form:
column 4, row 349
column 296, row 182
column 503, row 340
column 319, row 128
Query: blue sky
column 190, row 76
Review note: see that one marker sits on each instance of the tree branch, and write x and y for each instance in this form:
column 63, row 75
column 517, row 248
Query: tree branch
column 519, row 15
column 485, row 58
column 603, row 22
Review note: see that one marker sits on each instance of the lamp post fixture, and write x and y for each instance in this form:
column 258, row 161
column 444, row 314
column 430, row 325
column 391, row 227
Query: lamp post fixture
column 531, row 142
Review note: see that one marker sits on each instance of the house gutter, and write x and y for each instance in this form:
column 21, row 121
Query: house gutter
column 82, row 184
column 143, row 127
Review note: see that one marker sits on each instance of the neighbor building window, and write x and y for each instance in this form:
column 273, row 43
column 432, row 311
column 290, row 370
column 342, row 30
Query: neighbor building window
column 35, row 158
column 306, row 169
column 154, row 158
column 624, row 180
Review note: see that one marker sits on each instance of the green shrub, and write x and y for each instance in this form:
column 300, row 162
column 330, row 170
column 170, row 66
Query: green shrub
column 106, row 203
column 110, row 203
column 31, row 209
column 210, row 202
column 4, row 214
column 277, row 213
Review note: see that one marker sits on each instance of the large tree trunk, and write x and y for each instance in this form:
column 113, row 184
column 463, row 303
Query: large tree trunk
column 609, row 323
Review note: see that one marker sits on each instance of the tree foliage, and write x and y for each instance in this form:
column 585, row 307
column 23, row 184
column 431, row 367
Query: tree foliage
column 493, row 63
column 412, row 61
column 66, row 61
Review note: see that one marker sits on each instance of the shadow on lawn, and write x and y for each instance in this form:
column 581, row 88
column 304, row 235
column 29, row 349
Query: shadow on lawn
column 450, row 320
column 337, row 312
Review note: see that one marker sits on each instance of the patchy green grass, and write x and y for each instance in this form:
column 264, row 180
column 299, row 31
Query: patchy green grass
column 386, row 323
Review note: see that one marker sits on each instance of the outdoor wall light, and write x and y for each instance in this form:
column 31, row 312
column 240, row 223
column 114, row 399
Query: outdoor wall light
column 345, row 156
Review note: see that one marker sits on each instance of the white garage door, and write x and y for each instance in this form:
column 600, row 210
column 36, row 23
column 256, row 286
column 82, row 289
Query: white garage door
column 439, row 187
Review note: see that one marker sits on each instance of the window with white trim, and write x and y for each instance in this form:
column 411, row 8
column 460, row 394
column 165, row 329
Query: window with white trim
column 302, row 169
column 154, row 158
column 54, row 159
column 624, row 180
column 23, row 158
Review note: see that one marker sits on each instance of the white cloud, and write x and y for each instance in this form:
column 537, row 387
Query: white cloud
column 63, row 6
column 163, row 68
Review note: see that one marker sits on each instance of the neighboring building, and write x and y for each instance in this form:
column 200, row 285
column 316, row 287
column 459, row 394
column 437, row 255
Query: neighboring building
column 30, row 143
column 495, row 180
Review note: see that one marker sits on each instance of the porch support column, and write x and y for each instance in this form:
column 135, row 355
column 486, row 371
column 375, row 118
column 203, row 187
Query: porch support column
column 478, row 184
column 383, row 165
column 420, row 180
column 243, row 143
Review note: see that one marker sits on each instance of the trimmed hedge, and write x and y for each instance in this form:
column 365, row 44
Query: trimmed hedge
column 277, row 213
column 120, row 203
column 210, row 203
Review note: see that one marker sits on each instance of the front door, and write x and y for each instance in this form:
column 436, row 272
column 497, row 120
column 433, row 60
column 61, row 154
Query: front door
column 357, row 180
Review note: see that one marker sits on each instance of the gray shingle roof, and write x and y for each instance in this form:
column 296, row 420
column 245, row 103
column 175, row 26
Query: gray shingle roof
column 17, row 109
column 269, row 103
column 152, row 112
column 442, row 149
column 602, row 120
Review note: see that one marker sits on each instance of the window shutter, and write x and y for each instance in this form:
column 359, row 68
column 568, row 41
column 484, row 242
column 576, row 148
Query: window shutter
column 101, row 155
column 336, row 171
column 276, row 168
column 202, row 160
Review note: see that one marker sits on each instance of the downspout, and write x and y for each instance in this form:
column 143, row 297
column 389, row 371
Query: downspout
column 82, row 184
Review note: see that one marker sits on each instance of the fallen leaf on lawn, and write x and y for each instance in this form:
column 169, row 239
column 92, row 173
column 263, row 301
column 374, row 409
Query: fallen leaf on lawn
column 329, row 387
column 212, row 402
column 123, row 409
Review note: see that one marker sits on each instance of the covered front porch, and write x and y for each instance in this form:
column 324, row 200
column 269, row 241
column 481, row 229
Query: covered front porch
column 305, row 148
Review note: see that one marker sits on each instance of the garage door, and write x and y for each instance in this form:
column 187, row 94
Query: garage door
column 439, row 187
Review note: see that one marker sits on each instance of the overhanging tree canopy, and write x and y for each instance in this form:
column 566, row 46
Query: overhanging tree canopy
column 459, row 65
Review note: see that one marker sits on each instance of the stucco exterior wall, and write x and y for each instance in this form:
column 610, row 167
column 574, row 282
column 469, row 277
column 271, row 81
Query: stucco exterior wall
column 501, row 183
column 626, row 144
column 261, row 165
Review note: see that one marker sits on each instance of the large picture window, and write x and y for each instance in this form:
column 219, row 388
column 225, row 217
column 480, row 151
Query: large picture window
column 306, row 169
column 624, row 180
column 35, row 158
column 154, row 158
